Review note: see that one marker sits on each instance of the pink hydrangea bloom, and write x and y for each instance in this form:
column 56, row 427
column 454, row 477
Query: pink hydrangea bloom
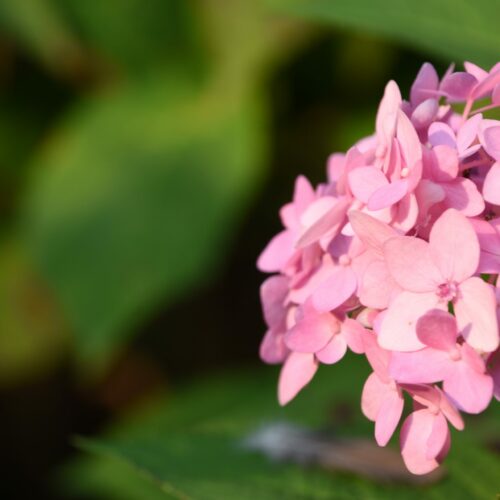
column 396, row 257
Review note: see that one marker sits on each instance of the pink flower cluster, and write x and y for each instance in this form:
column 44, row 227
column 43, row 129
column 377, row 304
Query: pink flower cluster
column 397, row 257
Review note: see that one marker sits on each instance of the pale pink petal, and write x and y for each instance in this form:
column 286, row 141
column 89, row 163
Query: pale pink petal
column 333, row 351
column 468, row 132
column 277, row 253
column 458, row 86
column 462, row 194
column 372, row 232
column 444, row 163
column 388, row 416
column 303, row 194
column 428, row 194
column 388, row 106
column 491, row 186
column 364, row 181
column 334, row 291
column 398, row 328
column 487, row 85
column 438, row 437
column 438, row 329
column 420, row 367
column 406, row 213
column 475, row 310
column 470, row 390
column 297, row 372
column 312, row 333
column 476, row 71
column 387, row 195
column 272, row 295
column 354, row 333
column 328, row 223
column 450, row 411
column 427, row 80
column 377, row 357
column 411, row 149
column 377, row 286
column 408, row 260
column 335, row 166
column 272, row 348
column 374, row 392
column 492, row 142
column 454, row 246
column 441, row 133
column 424, row 113
column 415, row 434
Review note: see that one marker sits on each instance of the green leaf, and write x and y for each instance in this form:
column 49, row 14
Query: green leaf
column 190, row 446
column 32, row 334
column 454, row 29
column 136, row 198
column 137, row 35
column 41, row 29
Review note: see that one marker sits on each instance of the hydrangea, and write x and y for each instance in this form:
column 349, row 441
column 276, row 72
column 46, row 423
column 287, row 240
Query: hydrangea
column 396, row 257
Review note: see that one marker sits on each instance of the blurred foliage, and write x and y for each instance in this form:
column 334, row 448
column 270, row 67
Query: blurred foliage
column 456, row 29
column 191, row 446
column 32, row 335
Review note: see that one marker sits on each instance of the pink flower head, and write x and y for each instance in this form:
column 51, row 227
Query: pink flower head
column 434, row 275
column 397, row 257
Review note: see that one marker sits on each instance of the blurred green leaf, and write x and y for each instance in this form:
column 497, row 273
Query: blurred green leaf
column 136, row 198
column 138, row 35
column 32, row 334
column 41, row 29
column 190, row 447
column 455, row 29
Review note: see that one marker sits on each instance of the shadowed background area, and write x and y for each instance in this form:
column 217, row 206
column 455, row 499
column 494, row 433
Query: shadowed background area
column 145, row 150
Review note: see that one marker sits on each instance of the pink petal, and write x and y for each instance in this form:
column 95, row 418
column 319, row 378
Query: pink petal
column 468, row 132
column 492, row 142
column 407, row 212
column 438, row 329
column 475, row 310
column 438, row 437
column 273, row 293
column 312, row 333
column 364, row 181
column 333, row 351
column 491, row 186
column 470, row 390
column 454, row 246
column 411, row 148
column 277, row 253
column 388, row 416
column 372, row 232
column 462, row 195
column 458, row 86
column 444, row 162
column 408, row 260
column 297, row 372
column 378, row 357
column 415, row 434
column 377, row 286
column 272, row 348
column 328, row 223
column 387, row 195
column 354, row 334
column 487, row 85
column 420, row 367
column 398, row 328
column 335, row 290
column 374, row 393
column 335, row 166
column 450, row 411
column 426, row 80
column 441, row 134
column 476, row 71
column 424, row 113
column 303, row 194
